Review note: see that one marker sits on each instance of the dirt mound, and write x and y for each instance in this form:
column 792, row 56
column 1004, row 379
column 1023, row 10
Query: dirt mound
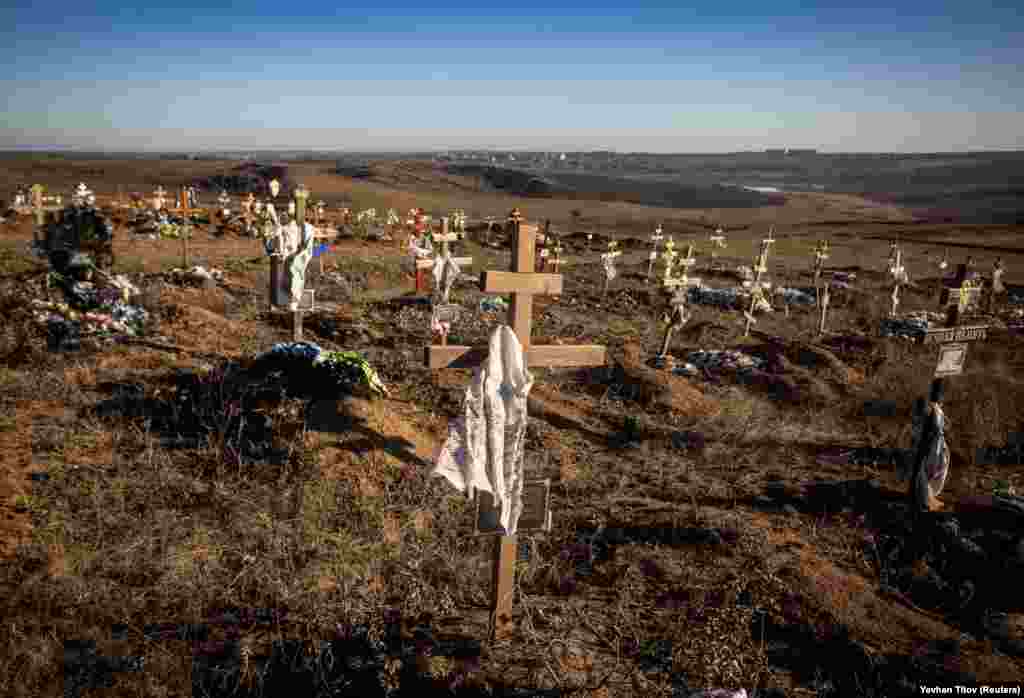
column 193, row 327
column 664, row 390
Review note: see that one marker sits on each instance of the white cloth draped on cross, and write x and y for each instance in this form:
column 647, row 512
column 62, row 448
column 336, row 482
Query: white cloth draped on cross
column 294, row 245
column 485, row 447
column 932, row 421
column 609, row 265
column 446, row 271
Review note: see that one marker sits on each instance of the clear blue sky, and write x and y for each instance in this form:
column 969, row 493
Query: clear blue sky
column 713, row 77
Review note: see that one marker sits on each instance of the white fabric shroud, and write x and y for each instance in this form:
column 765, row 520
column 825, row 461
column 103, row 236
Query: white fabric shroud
column 937, row 457
column 609, row 266
column 485, row 448
column 446, row 271
column 300, row 252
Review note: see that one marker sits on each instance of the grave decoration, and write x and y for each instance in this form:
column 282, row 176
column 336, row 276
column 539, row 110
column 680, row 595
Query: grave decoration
column 485, row 449
column 79, row 231
column 679, row 313
column 929, row 449
column 758, row 300
column 320, row 372
column 94, row 302
column 656, row 238
column 423, row 264
column 717, row 241
column 290, row 248
column 608, row 259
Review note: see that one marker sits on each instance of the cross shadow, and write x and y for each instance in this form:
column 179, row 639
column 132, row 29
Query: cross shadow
column 324, row 416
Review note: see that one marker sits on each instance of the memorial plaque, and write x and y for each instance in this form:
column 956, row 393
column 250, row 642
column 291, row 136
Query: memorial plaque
column 306, row 301
column 449, row 312
column 966, row 333
column 951, row 359
column 536, row 514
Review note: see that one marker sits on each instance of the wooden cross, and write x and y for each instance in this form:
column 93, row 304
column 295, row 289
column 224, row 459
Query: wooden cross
column 678, row 316
column 656, row 238
column 758, row 286
column 717, row 243
column 820, row 255
column 961, row 292
column 952, row 339
column 669, row 255
column 609, row 260
column 898, row 273
column 523, row 284
column 422, row 265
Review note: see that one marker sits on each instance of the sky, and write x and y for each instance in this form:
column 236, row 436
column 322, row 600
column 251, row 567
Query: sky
column 652, row 77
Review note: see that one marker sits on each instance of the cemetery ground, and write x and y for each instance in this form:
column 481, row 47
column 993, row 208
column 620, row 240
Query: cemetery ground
column 739, row 528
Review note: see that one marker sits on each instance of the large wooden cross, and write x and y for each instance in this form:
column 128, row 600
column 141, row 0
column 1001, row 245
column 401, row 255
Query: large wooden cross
column 952, row 339
column 523, row 284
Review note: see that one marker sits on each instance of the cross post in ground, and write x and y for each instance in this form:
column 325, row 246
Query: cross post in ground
column 952, row 339
column 820, row 255
column 523, row 284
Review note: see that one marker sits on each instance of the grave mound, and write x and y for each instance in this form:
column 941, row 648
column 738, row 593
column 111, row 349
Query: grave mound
column 663, row 390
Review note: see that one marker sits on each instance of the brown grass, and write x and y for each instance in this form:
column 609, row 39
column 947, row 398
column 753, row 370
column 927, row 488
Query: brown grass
column 347, row 525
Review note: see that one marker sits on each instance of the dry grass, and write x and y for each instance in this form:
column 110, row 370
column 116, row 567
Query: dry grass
column 125, row 530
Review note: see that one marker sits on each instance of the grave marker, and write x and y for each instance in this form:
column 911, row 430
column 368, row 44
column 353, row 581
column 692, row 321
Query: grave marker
column 159, row 199
column 952, row 357
column 996, row 288
column 523, row 284
column 820, row 255
column 422, row 265
column 757, row 287
column 609, row 258
column 899, row 276
column 717, row 243
column 656, row 238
